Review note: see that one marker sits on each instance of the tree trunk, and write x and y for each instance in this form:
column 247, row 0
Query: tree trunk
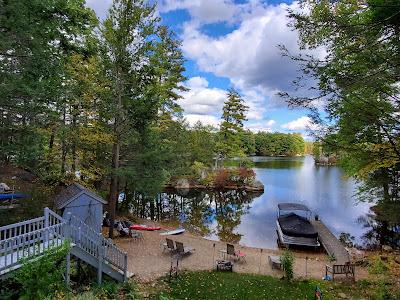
column 113, row 196
column 112, row 200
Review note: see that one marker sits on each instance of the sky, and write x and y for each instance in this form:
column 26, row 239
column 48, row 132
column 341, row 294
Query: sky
column 234, row 43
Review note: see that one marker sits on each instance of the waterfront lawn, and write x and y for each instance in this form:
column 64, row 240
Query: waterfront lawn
column 219, row 285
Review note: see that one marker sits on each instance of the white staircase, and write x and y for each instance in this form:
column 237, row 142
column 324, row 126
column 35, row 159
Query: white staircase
column 30, row 239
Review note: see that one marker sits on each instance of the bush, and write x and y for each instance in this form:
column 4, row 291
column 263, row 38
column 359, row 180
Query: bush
column 43, row 277
column 287, row 260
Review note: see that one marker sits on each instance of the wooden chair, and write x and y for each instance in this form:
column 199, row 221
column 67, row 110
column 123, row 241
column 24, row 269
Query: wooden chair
column 346, row 269
column 169, row 245
column 183, row 250
column 230, row 252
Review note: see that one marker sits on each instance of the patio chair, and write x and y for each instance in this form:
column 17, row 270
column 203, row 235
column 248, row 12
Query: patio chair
column 183, row 250
column 231, row 253
column 169, row 245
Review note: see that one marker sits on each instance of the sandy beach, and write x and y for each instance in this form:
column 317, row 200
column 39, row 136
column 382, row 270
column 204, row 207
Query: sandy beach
column 147, row 260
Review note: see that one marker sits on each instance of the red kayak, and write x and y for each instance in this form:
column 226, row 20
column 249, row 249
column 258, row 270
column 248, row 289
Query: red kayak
column 144, row 227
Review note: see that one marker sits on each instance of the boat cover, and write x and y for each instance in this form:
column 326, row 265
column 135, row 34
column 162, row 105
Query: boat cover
column 297, row 226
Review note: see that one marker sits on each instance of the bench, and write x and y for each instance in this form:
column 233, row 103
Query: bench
column 347, row 269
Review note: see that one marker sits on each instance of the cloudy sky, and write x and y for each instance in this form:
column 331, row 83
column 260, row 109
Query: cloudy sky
column 233, row 43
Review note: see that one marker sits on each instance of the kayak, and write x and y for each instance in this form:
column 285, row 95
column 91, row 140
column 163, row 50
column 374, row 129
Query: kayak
column 10, row 196
column 174, row 232
column 144, row 227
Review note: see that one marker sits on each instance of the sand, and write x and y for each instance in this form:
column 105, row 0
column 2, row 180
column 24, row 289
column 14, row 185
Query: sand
column 148, row 262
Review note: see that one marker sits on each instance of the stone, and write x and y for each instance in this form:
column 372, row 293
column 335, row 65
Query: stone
column 387, row 248
column 342, row 295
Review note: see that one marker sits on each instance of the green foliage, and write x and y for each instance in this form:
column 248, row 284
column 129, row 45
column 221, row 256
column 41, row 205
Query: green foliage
column 231, row 129
column 358, row 82
column 378, row 266
column 279, row 144
column 287, row 260
column 43, row 277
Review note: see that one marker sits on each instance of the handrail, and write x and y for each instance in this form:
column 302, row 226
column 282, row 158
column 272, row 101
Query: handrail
column 93, row 242
column 29, row 245
column 43, row 231
column 19, row 228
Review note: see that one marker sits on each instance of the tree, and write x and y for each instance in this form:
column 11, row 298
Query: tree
column 144, row 66
column 233, row 116
column 37, row 39
column 358, row 83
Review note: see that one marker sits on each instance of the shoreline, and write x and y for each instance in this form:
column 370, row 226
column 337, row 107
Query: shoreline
column 148, row 261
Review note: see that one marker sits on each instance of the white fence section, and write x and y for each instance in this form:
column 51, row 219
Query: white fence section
column 30, row 239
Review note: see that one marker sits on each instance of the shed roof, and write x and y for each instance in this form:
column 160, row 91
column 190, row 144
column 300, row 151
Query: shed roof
column 72, row 192
column 292, row 206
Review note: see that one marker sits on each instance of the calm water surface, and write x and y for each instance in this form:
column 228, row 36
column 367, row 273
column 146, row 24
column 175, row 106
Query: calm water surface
column 249, row 219
column 325, row 190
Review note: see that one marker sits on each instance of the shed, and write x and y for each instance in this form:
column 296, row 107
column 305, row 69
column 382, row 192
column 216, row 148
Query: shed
column 82, row 203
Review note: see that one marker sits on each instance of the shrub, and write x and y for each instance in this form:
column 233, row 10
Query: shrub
column 221, row 178
column 378, row 266
column 44, row 276
column 287, row 260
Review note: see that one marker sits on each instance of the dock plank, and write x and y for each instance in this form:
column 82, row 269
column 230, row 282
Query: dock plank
column 331, row 244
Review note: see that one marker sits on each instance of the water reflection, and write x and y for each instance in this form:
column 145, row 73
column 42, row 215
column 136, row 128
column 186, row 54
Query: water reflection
column 236, row 216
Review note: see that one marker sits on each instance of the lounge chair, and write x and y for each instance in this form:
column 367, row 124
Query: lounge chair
column 126, row 231
column 169, row 245
column 231, row 253
column 183, row 250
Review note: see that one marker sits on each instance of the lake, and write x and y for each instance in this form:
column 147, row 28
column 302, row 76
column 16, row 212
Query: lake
column 249, row 219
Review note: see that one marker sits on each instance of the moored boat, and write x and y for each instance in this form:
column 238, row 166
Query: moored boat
column 294, row 226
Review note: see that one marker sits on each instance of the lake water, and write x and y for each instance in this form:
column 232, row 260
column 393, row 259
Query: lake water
column 324, row 189
column 249, row 219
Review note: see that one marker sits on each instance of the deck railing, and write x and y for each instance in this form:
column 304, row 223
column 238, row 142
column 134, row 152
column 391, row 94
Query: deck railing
column 31, row 238
column 94, row 243
column 29, row 245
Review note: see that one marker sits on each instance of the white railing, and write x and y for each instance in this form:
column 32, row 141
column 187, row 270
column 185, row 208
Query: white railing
column 29, row 245
column 94, row 243
column 31, row 238
column 16, row 229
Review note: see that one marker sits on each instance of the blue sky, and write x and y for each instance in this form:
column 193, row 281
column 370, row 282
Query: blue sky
column 233, row 43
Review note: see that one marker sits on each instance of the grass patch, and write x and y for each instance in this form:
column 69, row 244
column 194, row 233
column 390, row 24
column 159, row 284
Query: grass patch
column 219, row 285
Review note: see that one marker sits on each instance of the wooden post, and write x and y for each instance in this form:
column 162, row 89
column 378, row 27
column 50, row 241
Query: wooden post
column 46, row 225
column 100, row 265
column 67, row 268
column 125, row 267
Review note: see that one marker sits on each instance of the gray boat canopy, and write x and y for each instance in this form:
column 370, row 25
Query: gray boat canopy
column 293, row 206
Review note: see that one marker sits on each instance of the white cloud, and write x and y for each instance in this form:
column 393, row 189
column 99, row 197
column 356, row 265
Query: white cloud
column 302, row 123
column 261, row 126
column 204, row 119
column 248, row 56
column 202, row 100
column 204, row 11
column 100, row 7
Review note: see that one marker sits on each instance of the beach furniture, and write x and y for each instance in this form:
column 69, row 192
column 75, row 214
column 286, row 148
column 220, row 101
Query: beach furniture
column 346, row 269
column 224, row 265
column 183, row 250
column 275, row 262
column 231, row 253
column 169, row 245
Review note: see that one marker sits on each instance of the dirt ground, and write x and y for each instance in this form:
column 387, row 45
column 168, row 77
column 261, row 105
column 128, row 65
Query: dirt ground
column 147, row 260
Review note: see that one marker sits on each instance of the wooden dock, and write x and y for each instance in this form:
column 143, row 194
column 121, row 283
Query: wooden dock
column 331, row 244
